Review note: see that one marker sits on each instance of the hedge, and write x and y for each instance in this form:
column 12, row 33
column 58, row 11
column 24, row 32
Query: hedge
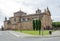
column 56, row 24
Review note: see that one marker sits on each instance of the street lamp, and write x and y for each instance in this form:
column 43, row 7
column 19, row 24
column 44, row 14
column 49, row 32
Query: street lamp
column 40, row 25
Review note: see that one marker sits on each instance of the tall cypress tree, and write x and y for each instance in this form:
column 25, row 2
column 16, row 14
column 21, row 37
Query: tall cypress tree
column 39, row 24
column 34, row 25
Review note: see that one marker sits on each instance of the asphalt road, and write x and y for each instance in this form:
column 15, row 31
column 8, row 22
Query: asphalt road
column 6, row 36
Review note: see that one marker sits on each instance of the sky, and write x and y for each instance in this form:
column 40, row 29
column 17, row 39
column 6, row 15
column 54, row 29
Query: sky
column 8, row 7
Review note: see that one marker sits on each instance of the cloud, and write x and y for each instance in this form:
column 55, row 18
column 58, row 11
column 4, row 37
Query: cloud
column 30, row 5
column 56, row 18
column 1, row 24
column 8, row 7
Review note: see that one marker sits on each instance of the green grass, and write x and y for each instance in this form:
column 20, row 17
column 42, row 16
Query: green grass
column 45, row 32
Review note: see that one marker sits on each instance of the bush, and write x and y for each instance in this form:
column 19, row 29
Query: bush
column 56, row 24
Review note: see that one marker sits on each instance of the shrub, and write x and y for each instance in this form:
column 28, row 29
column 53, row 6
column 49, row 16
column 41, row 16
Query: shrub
column 56, row 24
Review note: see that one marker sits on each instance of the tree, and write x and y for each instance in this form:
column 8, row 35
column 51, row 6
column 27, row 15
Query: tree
column 36, row 25
column 39, row 24
column 56, row 24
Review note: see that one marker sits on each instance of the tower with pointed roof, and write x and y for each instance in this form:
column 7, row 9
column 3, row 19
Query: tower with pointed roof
column 5, row 18
column 38, row 11
column 48, row 11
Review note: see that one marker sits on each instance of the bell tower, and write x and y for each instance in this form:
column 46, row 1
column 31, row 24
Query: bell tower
column 38, row 11
column 5, row 18
column 48, row 11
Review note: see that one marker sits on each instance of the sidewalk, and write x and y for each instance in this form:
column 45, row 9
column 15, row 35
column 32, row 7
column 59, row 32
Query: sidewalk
column 19, row 34
column 56, row 33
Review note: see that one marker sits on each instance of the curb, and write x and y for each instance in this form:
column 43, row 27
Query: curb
column 41, row 36
column 33, row 36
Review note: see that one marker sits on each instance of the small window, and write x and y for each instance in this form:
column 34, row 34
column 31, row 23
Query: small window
column 23, row 19
column 15, row 19
column 28, row 19
column 20, row 20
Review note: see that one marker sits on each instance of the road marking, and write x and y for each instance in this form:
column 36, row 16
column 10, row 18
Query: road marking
column 14, row 34
column 21, row 35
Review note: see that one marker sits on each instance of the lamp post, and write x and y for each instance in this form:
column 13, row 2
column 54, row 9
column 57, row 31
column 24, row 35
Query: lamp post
column 40, row 25
column 41, row 28
column 42, row 31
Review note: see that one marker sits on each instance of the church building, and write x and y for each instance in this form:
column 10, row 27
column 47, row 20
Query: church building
column 22, row 21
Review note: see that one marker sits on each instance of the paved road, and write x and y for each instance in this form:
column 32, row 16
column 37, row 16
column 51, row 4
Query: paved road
column 7, row 36
column 56, row 33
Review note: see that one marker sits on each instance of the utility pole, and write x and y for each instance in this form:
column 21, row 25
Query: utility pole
column 42, row 31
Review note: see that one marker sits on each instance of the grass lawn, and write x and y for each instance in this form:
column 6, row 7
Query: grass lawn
column 45, row 32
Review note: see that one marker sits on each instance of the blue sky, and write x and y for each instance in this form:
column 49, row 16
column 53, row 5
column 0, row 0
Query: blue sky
column 8, row 7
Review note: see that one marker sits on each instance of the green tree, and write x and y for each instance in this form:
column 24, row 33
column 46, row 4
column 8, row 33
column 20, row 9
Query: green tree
column 34, row 25
column 39, row 24
column 56, row 24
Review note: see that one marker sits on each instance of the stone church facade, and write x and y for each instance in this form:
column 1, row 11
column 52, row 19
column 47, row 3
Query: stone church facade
column 22, row 21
